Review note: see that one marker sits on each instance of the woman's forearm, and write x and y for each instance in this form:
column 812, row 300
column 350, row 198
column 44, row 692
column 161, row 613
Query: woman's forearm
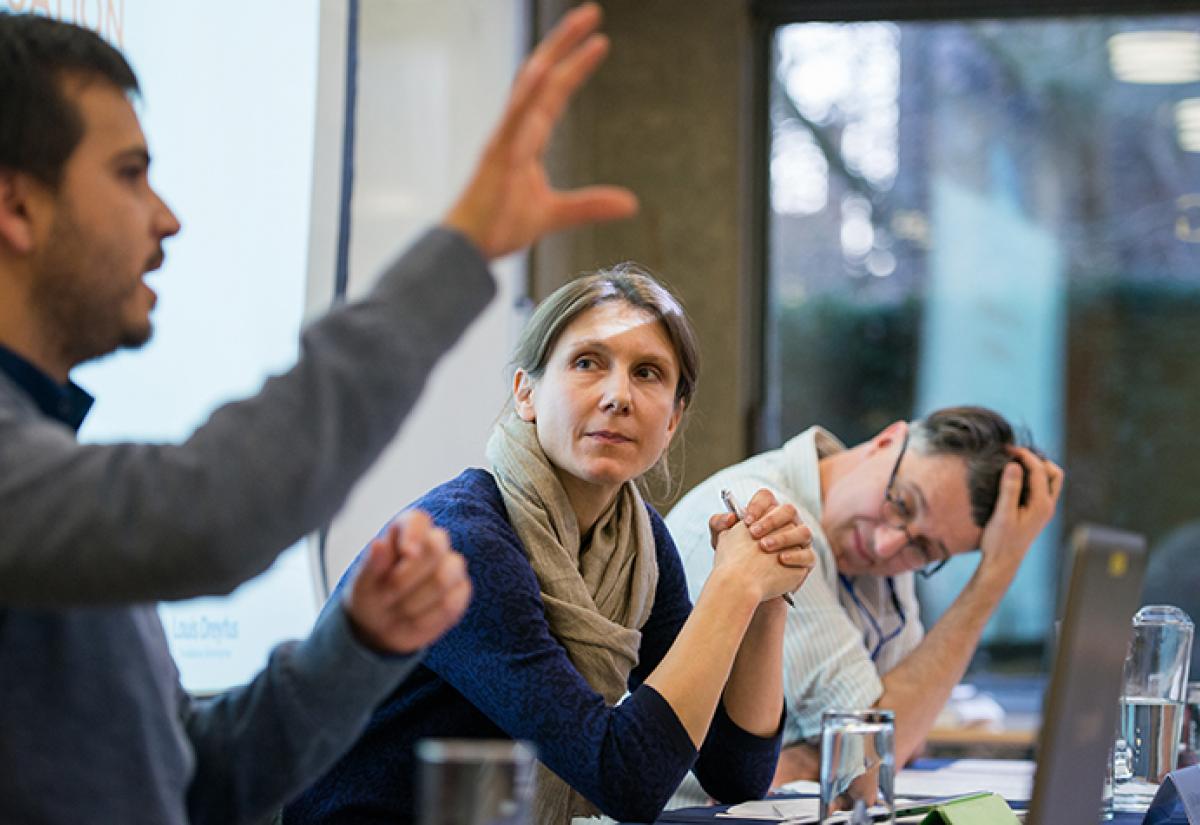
column 754, row 692
column 693, row 674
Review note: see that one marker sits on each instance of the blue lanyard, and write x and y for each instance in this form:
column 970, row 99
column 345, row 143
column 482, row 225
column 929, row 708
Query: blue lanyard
column 862, row 608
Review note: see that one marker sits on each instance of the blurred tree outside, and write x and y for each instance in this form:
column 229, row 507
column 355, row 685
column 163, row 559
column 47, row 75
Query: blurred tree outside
column 869, row 122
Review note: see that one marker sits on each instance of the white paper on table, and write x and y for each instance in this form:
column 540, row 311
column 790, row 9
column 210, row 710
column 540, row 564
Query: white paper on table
column 1010, row 778
column 775, row 810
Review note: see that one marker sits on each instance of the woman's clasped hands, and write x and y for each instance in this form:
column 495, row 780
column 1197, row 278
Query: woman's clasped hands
column 771, row 551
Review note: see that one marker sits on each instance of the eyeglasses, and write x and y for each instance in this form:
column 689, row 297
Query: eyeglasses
column 898, row 515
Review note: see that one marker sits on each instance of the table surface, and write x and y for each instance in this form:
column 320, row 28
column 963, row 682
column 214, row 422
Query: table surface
column 956, row 734
column 696, row 816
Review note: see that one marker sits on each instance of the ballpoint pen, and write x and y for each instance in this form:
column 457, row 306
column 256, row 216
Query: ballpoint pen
column 732, row 506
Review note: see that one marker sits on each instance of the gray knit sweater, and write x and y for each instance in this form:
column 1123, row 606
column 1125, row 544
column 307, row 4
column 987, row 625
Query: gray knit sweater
column 94, row 726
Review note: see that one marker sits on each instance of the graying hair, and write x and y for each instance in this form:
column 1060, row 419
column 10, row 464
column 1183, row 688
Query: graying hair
column 980, row 437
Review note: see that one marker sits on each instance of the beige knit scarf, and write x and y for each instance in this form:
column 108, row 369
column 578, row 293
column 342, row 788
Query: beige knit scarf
column 597, row 596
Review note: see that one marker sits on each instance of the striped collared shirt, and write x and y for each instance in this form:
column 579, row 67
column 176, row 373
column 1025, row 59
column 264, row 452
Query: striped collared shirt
column 836, row 625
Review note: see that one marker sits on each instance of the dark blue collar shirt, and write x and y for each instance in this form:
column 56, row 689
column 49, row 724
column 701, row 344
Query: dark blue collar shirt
column 67, row 403
column 94, row 725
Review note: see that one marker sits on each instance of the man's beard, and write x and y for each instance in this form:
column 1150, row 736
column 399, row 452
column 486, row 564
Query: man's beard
column 78, row 296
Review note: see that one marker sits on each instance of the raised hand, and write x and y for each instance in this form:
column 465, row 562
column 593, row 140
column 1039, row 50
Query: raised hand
column 508, row 203
column 410, row 589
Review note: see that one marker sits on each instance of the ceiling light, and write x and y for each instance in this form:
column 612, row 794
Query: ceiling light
column 1155, row 56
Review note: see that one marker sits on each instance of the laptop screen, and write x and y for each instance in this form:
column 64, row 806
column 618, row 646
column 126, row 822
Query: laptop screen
column 1079, row 714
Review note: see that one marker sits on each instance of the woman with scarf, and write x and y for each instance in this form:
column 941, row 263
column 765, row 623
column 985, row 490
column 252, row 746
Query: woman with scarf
column 579, row 594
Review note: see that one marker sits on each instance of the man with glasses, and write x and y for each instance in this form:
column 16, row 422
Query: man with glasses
column 900, row 504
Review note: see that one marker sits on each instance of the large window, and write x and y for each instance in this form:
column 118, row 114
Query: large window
column 1001, row 212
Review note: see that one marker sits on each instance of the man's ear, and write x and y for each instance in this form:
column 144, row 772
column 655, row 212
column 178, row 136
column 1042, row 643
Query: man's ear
column 16, row 225
column 889, row 435
column 523, row 395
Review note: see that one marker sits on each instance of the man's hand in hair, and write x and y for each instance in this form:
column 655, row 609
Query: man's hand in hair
column 1013, row 526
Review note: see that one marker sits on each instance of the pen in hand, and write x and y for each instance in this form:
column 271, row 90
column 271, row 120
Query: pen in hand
column 732, row 506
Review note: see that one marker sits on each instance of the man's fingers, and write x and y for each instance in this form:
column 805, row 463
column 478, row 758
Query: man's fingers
column 388, row 543
column 417, row 561
column 415, row 527
column 419, row 603
column 431, row 625
column 457, row 600
column 1010, row 487
column 428, row 594
column 408, row 579
column 590, row 204
column 1054, row 478
column 1035, row 469
column 573, row 29
column 422, row 550
column 372, row 572
column 1045, row 478
column 404, row 634
column 410, row 588
column 566, row 78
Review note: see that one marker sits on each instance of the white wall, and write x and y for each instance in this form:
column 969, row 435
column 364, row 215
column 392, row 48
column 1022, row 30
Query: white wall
column 433, row 76
column 244, row 113
column 228, row 107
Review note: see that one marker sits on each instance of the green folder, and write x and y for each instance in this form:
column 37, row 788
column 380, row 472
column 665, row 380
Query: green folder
column 975, row 809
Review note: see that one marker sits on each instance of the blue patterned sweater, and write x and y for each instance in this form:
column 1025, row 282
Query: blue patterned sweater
column 501, row 674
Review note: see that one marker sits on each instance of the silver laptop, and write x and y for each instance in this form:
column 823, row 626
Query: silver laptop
column 1079, row 715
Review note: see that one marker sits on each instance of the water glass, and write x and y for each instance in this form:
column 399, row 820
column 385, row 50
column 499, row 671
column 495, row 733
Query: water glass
column 1150, row 721
column 1189, row 752
column 475, row 782
column 858, row 766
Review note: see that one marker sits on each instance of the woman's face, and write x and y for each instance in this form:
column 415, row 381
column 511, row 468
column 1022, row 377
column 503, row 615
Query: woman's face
column 605, row 405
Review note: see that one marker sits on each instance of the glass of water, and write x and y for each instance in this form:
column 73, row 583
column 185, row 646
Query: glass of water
column 1152, row 701
column 1189, row 752
column 858, row 766
column 475, row 782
